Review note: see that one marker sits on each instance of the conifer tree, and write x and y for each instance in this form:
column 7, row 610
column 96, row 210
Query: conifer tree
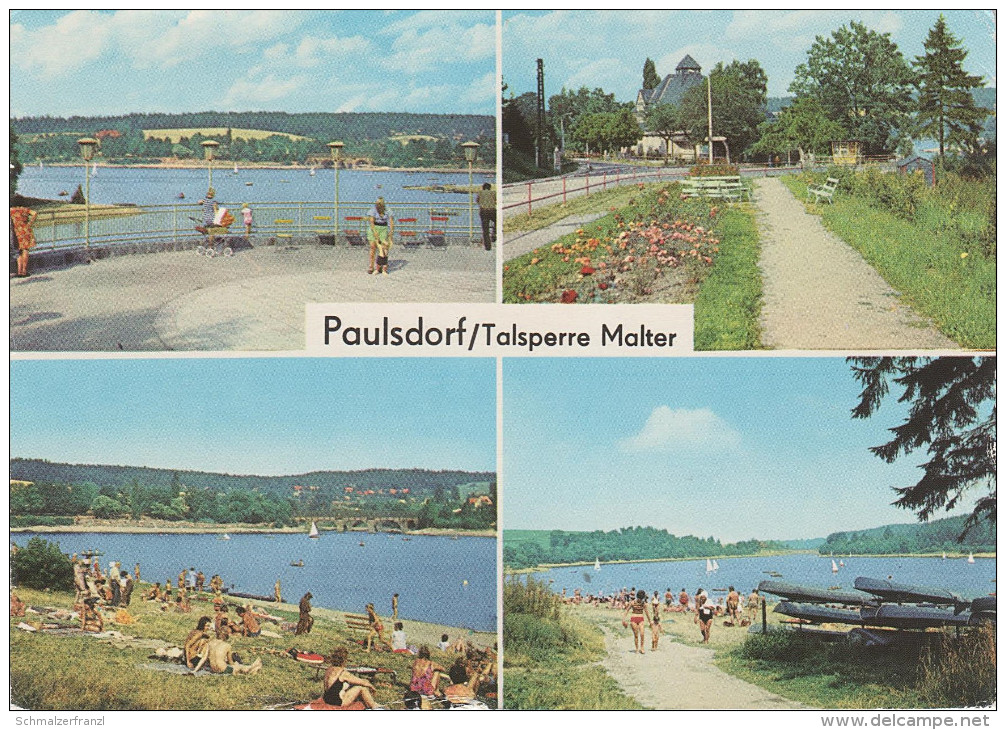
column 650, row 77
column 946, row 108
column 952, row 415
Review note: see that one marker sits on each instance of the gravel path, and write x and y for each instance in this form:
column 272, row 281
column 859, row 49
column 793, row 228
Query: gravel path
column 680, row 677
column 519, row 243
column 819, row 293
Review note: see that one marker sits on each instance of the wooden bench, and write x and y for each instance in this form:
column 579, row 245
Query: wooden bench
column 826, row 191
column 723, row 187
column 357, row 622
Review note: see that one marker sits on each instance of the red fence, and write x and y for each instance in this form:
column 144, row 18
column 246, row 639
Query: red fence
column 575, row 184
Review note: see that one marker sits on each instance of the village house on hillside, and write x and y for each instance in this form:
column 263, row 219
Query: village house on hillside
column 687, row 74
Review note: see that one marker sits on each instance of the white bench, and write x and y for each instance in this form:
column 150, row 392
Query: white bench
column 826, row 191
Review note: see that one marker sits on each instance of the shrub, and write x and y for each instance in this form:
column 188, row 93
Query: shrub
column 960, row 672
column 41, row 565
column 38, row 521
column 718, row 170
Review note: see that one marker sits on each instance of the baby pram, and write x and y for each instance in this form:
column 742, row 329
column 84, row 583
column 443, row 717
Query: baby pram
column 222, row 221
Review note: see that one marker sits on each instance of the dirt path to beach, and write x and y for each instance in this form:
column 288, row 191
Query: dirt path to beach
column 680, row 677
column 819, row 293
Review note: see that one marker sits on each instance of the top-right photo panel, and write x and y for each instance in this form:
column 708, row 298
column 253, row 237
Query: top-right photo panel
column 808, row 180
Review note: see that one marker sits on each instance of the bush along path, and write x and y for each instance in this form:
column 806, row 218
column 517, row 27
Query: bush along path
column 820, row 294
column 660, row 248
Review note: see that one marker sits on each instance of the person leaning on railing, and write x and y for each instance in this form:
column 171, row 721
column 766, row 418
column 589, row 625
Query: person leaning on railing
column 487, row 213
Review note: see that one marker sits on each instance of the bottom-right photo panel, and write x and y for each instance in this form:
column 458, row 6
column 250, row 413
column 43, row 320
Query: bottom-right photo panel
column 749, row 533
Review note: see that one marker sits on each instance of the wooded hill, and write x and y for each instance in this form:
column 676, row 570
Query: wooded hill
column 921, row 537
column 419, row 482
column 322, row 126
column 528, row 548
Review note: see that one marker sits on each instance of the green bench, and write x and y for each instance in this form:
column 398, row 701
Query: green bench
column 723, row 187
column 825, row 192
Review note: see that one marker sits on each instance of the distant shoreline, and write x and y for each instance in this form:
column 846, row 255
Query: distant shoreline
column 225, row 164
column 541, row 568
column 126, row 529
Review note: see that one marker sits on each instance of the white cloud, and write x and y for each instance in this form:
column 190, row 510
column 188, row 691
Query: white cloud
column 75, row 39
column 419, row 49
column 245, row 92
column 670, row 429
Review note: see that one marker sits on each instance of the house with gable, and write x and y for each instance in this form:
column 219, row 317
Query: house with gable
column 687, row 74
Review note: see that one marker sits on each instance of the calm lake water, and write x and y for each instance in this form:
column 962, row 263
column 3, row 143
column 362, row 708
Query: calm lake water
column 970, row 581
column 429, row 573
column 158, row 186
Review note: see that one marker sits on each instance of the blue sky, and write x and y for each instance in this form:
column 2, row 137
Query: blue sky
column 607, row 48
column 262, row 416
column 730, row 447
column 111, row 62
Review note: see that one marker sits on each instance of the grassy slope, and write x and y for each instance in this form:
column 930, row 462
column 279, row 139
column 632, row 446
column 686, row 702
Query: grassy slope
column 958, row 293
column 550, row 664
column 46, row 670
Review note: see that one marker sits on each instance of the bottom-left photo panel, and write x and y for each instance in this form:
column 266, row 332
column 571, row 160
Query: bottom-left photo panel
column 253, row 534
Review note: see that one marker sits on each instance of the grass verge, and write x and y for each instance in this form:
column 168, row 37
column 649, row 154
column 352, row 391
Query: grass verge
column 728, row 306
column 946, row 673
column 603, row 200
column 549, row 655
column 935, row 273
column 83, row 673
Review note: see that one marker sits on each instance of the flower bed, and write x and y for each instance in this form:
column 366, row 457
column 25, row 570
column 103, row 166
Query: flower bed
column 631, row 255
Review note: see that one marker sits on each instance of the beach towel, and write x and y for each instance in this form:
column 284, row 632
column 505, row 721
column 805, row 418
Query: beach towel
column 176, row 669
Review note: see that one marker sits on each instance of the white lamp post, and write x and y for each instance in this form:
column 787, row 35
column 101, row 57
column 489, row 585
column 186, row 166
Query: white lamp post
column 209, row 148
column 471, row 150
column 336, row 149
column 87, row 146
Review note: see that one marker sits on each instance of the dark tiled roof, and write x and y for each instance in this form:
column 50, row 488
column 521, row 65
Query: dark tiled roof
column 673, row 87
column 688, row 63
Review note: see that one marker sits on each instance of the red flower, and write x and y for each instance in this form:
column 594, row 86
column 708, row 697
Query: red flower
column 602, row 286
column 568, row 296
column 587, row 271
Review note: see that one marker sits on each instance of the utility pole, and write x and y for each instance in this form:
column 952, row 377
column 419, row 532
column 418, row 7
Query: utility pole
column 539, row 136
column 709, row 101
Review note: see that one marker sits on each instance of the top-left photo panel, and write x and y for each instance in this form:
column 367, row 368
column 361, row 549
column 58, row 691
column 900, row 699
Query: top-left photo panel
column 190, row 180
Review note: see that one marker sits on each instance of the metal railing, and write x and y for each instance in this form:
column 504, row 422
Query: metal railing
column 115, row 225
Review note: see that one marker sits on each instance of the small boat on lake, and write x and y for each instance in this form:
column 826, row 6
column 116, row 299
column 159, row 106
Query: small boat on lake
column 834, row 567
column 225, row 536
column 709, row 565
column 314, row 530
column 298, row 564
column 971, row 558
column 597, row 564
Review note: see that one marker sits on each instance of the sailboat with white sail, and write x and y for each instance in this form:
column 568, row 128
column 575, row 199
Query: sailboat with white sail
column 834, row 567
column 709, row 565
column 314, row 530
column 597, row 564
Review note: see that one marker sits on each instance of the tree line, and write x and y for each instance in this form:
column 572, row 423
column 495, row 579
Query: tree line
column 855, row 85
column 420, row 482
column 628, row 543
column 932, row 537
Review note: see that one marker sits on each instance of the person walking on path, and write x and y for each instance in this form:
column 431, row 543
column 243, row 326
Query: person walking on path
column 380, row 232
column 636, row 614
column 23, row 220
column 487, row 214
column 246, row 217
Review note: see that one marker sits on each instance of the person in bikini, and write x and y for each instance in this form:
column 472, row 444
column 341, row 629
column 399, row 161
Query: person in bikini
column 426, row 674
column 636, row 614
column 196, row 641
column 341, row 687
column 376, row 628
column 655, row 625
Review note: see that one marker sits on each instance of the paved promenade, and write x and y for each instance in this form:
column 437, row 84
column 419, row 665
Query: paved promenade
column 251, row 301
